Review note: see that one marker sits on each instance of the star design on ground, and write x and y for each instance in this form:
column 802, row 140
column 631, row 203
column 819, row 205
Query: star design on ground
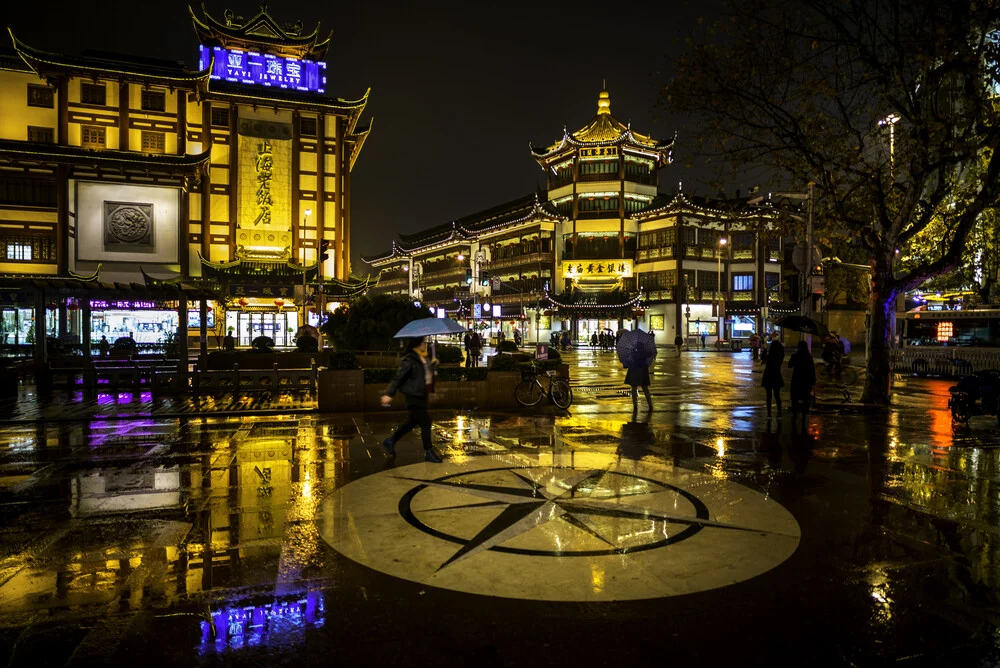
column 534, row 503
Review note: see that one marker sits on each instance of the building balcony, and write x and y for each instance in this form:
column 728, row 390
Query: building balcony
column 654, row 254
column 523, row 261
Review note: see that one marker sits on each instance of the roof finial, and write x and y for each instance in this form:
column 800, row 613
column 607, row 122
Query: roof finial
column 604, row 103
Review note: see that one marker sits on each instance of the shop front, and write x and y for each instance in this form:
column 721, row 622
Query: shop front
column 253, row 318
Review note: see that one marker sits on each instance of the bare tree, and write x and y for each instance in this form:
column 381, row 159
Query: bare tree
column 887, row 105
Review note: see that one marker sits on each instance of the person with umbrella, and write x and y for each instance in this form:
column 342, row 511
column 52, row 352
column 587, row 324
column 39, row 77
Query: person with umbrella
column 414, row 378
column 772, row 380
column 636, row 351
column 803, row 380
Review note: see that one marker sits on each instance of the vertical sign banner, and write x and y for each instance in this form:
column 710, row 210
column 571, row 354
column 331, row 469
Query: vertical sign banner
column 264, row 185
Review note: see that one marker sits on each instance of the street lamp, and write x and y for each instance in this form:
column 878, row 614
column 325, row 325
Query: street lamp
column 718, row 296
column 305, row 306
column 890, row 122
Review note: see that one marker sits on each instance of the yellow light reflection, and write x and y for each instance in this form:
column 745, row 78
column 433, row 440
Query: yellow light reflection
column 720, row 446
column 597, row 578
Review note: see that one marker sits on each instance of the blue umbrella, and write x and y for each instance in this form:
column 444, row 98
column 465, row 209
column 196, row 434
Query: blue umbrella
column 636, row 349
column 429, row 327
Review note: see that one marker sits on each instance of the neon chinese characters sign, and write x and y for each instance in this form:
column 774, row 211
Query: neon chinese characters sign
column 263, row 69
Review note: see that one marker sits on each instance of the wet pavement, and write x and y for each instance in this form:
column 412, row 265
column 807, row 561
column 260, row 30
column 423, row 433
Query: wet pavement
column 216, row 534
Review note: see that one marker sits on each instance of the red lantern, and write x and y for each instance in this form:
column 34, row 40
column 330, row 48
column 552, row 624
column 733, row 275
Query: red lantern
column 279, row 302
column 242, row 302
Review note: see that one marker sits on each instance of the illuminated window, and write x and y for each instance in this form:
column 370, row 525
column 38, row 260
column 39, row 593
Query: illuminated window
column 742, row 282
column 41, row 135
column 153, row 142
column 307, row 126
column 93, row 94
column 220, row 117
column 945, row 330
column 92, row 136
column 656, row 323
column 18, row 251
column 153, row 100
column 40, row 96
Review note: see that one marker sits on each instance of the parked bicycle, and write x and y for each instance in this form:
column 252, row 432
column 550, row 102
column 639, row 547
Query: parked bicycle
column 530, row 391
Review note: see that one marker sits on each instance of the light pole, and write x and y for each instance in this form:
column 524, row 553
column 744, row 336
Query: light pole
column 890, row 122
column 718, row 296
column 305, row 297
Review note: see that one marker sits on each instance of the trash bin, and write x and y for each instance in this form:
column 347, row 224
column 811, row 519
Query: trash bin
column 736, row 345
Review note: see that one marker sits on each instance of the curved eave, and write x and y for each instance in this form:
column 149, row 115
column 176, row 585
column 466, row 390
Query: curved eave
column 352, row 108
column 61, row 154
column 301, row 45
column 154, row 282
column 455, row 238
column 358, row 141
column 42, row 62
column 539, row 214
column 681, row 204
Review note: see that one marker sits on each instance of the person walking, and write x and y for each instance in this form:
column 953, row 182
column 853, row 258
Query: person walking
column 704, row 335
column 473, row 350
column 414, row 378
column 803, row 379
column 678, row 344
column 772, row 380
column 593, row 340
column 637, row 376
column 755, row 346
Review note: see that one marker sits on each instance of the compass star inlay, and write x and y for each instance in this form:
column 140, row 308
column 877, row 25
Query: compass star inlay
column 560, row 532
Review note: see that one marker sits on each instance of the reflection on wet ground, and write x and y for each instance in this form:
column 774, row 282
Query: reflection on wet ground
column 198, row 538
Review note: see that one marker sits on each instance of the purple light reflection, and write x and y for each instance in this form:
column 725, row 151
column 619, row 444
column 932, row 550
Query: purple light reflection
column 237, row 627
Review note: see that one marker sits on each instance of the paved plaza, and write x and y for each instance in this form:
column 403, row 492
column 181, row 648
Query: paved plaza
column 239, row 531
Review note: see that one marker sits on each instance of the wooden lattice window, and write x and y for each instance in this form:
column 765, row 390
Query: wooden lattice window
column 92, row 136
column 307, row 126
column 41, row 135
column 93, row 94
column 153, row 142
column 40, row 96
column 153, row 100
column 220, row 117
column 27, row 248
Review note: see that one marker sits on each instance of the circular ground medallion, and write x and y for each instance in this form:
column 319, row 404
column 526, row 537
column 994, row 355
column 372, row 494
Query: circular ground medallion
column 587, row 529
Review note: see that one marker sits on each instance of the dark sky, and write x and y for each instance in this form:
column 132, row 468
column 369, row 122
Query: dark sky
column 458, row 91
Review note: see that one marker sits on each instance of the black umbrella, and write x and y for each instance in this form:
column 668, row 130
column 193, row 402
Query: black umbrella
column 636, row 349
column 800, row 323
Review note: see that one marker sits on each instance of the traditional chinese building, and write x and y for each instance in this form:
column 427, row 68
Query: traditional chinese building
column 601, row 248
column 137, row 172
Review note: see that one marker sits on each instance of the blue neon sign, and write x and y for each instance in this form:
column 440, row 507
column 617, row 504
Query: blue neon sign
column 263, row 69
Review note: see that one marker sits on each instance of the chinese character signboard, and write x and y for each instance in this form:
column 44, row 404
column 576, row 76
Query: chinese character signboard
column 596, row 269
column 263, row 69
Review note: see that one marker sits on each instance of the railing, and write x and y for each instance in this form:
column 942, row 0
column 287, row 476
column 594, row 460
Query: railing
column 650, row 254
column 523, row 260
column 954, row 361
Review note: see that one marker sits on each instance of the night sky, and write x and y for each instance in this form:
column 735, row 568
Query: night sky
column 458, row 92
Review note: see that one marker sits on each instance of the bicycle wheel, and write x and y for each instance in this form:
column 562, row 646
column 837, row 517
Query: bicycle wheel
column 848, row 375
column 562, row 394
column 528, row 393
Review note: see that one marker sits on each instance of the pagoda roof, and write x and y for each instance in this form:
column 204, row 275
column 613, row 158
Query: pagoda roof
column 108, row 64
column 606, row 130
column 666, row 203
column 260, row 33
column 469, row 228
column 261, row 95
column 259, row 267
column 56, row 153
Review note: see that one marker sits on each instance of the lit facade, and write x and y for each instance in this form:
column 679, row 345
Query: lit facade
column 134, row 171
column 601, row 248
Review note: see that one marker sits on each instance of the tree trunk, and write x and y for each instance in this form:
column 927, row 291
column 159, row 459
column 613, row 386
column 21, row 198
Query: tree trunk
column 881, row 335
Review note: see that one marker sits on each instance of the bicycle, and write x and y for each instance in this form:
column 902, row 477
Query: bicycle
column 530, row 390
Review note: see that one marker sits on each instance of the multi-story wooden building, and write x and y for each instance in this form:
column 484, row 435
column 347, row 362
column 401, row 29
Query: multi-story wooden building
column 143, row 173
column 601, row 248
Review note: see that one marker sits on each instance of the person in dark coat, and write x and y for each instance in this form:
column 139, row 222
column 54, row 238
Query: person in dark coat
column 772, row 381
column 803, row 378
column 415, row 376
column 636, row 377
